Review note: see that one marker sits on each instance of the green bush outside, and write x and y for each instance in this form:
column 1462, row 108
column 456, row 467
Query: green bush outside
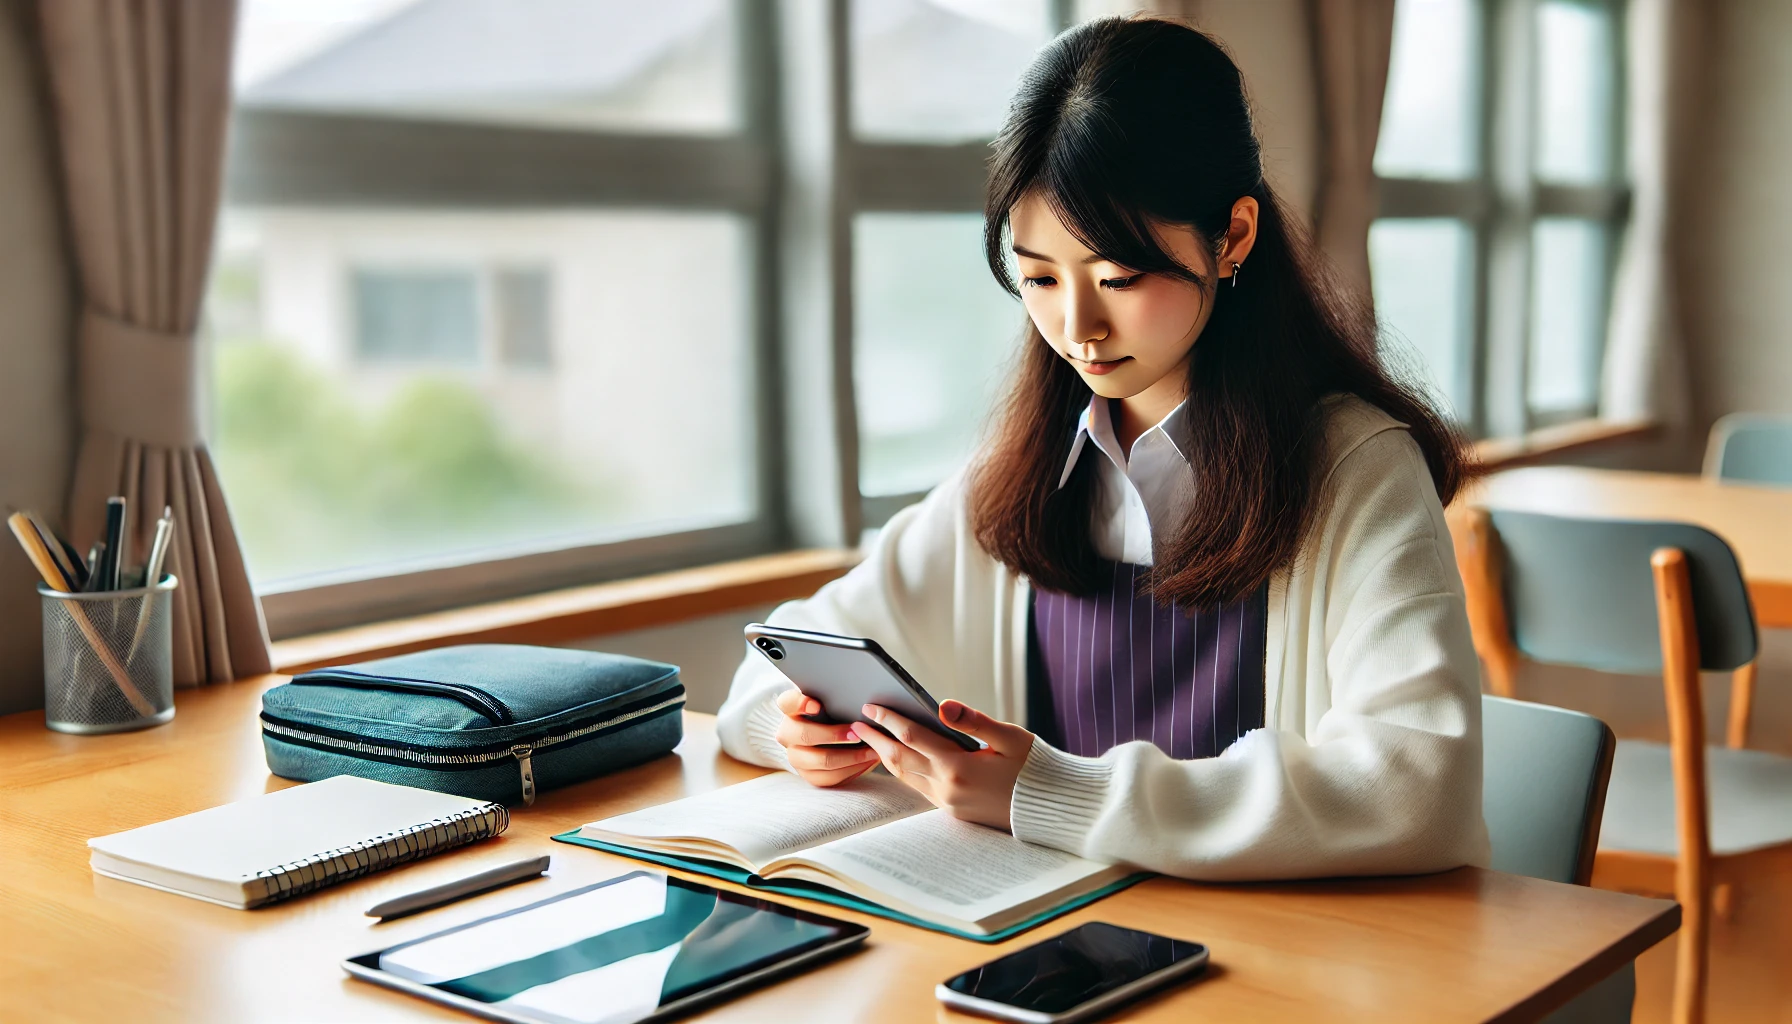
column 317, row 482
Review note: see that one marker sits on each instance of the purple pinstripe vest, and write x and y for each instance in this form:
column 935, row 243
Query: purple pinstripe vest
column 1115, row 666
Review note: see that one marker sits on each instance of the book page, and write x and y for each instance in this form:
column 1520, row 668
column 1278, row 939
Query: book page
column 768, row 817
column 950, row 869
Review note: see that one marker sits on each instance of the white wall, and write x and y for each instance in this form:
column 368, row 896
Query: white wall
column 36, row 433
column 705, row 650
column 1734, row 212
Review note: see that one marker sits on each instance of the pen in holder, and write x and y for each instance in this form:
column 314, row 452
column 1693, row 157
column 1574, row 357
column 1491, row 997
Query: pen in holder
column 108, row 658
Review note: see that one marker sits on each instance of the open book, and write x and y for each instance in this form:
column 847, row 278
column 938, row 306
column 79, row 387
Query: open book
column 875, row 840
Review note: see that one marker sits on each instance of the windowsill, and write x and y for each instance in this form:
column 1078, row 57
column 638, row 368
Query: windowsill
column 1542, row 445
column 567, row 616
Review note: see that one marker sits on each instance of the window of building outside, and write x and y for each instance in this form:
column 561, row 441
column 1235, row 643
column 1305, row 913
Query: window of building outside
column 415, row 316
column 1503, row 200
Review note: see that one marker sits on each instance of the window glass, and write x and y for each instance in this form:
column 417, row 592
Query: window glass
column 416, row 315
column 1574, row 92
column 666, row 66
column 1422, row 270
column 574, row 377
column 1429, row 120
column 939, row 70
column 1568, row 287
column 933, row 334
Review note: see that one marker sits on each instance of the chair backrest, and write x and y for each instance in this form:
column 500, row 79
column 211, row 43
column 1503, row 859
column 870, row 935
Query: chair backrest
column 1752, row 447
column 1581, row 592
column 1543, row 776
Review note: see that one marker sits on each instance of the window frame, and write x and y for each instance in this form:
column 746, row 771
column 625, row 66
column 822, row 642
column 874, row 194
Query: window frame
column 285, row 157
column 1502, row 201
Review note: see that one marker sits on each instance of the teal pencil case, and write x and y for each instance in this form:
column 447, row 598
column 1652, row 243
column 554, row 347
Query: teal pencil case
column 495, row 722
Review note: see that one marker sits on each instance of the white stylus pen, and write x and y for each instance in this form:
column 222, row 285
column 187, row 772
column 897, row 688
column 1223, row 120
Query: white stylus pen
column 460, row 889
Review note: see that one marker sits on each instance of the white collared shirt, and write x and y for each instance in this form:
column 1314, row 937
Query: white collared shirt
column 1153, row 484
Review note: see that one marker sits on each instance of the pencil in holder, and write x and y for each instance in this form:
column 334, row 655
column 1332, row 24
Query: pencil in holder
column 108, row 658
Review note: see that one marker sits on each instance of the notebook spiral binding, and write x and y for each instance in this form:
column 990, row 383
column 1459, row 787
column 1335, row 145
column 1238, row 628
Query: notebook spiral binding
column 364, row 858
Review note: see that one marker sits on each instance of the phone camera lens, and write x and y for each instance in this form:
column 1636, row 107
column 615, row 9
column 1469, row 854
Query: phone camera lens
column 772, row 648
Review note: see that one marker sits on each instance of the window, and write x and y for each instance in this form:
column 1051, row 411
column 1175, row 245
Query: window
column 1424, row 290
column 932, row 331
column 516, row 294
column 924, row 372
column 940, row 71
column 468, row 247
column 1502, row 204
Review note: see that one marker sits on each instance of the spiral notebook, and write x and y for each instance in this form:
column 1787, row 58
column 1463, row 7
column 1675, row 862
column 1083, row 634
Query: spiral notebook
column 294, row 841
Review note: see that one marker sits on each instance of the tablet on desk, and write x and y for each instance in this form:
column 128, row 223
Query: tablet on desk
column 640, row 947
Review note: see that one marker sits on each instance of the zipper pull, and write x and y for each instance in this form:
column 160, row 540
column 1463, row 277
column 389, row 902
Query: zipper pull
column 523, row 751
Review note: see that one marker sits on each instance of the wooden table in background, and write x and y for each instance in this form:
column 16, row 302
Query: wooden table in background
column 1756, row 521
column 1467, row 945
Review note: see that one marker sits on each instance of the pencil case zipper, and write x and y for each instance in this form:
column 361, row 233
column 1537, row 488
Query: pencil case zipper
column 464, row 760
column 495, row 710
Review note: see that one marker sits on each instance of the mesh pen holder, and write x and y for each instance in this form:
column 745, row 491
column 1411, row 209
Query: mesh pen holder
column 108, row 658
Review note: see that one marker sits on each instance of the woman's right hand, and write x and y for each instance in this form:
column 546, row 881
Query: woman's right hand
column 804, row 739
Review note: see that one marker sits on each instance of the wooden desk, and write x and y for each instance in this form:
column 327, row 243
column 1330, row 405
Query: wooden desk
column 1464, row 945
column 1757, row 521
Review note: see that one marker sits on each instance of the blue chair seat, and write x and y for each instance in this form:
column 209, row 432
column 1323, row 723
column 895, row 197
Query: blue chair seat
column 1751, row 800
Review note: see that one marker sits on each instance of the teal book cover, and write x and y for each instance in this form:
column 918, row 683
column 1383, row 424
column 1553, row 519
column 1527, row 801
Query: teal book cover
column 834, row 897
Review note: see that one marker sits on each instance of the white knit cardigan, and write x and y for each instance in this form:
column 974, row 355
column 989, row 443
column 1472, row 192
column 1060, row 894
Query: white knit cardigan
column 1371, row 763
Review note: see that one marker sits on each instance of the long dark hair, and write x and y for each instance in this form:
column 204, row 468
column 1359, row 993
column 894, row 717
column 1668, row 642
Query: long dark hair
column 1121, row 123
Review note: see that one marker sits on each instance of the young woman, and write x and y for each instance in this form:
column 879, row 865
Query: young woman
column 1196, row 592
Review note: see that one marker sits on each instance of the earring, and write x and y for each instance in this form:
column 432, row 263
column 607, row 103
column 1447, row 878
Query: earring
column 1234, row 275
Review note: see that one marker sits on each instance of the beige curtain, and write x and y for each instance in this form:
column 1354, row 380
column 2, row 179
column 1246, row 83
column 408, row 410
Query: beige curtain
column 1645, row 363
column 1315, row 71
column 141, row 90
column 1352, row 41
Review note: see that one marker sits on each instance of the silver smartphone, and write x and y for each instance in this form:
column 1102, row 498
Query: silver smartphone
column 845, row 673
column 1075, row 976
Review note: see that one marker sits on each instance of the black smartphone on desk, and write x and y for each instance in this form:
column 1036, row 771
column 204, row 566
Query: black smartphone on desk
column 845, row 673
column 1075, row 976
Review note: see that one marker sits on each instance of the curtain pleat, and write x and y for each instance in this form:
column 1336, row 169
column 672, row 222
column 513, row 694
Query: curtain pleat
column 1353, row 41
column 1348, row 44
column 1645, row 371
column 141, row 90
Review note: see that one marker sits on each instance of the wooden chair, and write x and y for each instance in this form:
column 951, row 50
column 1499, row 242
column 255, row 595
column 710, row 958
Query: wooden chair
column 1639, row 598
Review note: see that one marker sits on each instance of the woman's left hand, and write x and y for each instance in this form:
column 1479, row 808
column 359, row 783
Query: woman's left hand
column 974, row 785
